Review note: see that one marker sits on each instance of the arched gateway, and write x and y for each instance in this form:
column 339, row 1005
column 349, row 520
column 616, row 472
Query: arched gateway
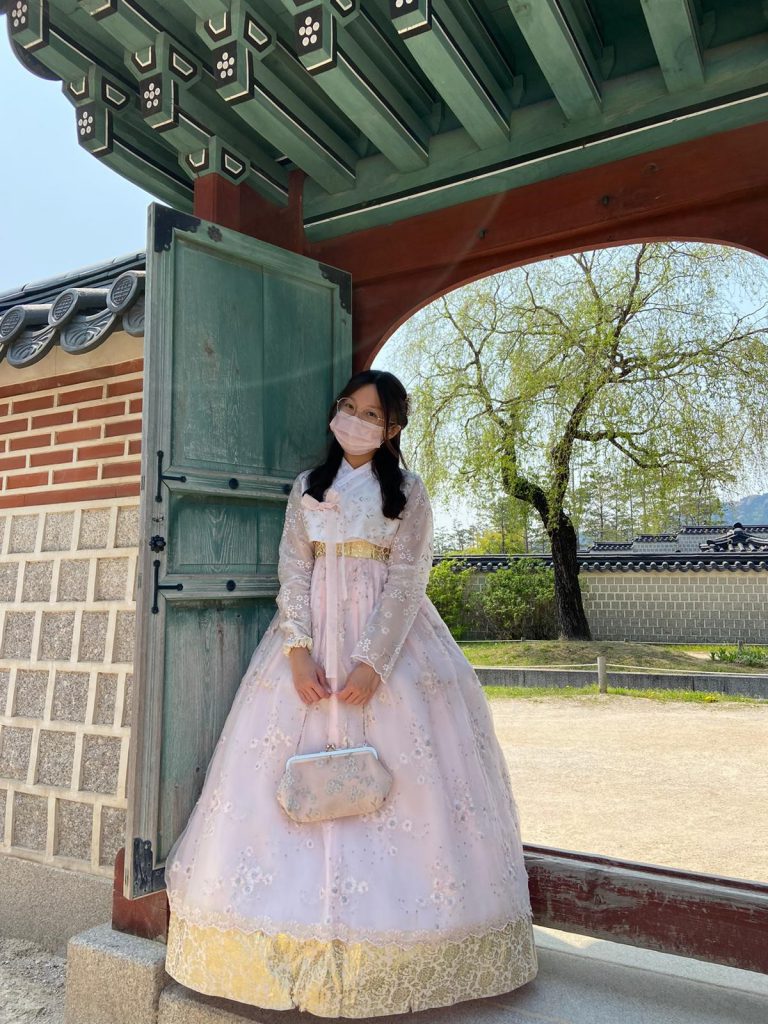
column 331, row 166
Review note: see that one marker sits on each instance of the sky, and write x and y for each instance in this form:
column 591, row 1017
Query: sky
column 63, row 209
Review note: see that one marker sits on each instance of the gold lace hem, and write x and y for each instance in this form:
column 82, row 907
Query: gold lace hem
column 355, row 549
column 333, row 978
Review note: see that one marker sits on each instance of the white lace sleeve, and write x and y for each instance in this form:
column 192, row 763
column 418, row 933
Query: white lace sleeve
column 404, row 588
column 294, row 570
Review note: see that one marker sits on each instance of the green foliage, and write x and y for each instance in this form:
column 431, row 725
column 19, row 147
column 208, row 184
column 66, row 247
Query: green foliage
column 446, row 589
column 512, row 603
column 742, row 655
column 623, row 388
column 517, row 602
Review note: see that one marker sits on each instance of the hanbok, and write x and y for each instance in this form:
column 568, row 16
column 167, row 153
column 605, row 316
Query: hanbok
column 422, row 903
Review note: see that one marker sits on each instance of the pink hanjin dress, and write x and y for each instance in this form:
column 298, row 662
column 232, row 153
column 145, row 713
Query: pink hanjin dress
column 422, row 903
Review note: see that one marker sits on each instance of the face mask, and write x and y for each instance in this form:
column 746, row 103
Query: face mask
column 354, row 435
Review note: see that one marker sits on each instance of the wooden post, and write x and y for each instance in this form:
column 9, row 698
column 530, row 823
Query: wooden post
column 602, row 678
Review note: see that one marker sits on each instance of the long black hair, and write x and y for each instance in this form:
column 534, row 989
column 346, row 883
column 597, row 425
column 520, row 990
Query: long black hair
column 386, row 458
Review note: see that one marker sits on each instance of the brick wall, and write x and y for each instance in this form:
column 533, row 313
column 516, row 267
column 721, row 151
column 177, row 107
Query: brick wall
column 74, row 437
column 70, row 438
column 677, row 607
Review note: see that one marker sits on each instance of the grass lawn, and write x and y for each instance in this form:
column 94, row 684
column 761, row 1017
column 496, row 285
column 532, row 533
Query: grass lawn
column 618, row 655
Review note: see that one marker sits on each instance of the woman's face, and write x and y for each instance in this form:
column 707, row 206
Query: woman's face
column 366, row 399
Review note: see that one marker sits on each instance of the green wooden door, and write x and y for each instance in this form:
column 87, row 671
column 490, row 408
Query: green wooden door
column 245, row 346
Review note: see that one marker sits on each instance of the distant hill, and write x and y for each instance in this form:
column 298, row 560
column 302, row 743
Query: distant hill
column 752, row 510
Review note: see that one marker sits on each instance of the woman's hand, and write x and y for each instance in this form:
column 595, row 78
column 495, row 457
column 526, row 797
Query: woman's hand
column 308, row 677
column 362, row 682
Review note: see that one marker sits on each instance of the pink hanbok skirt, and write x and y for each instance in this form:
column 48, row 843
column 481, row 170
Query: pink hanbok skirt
column 423, row 903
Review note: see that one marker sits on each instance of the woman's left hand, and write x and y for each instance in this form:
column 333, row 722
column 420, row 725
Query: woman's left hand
column 361, row 684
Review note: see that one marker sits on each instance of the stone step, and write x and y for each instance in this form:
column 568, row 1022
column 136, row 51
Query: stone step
column 114, row 978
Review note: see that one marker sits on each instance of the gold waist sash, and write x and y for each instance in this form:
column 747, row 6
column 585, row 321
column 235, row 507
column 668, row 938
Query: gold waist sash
column 355, row 548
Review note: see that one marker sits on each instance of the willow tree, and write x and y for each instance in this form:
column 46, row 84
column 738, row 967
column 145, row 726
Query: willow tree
column 655, row 351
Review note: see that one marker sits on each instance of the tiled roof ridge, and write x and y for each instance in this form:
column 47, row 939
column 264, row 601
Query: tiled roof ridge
column 94, row 273
column 628, row 562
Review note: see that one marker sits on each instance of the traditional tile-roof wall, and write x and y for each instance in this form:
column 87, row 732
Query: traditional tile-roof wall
column 77, row 311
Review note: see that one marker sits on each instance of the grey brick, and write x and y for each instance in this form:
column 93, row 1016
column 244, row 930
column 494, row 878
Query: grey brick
column 73, row 579
column 37, row 581
column 9, row 573
column 93, row 636
column 17, row 640
column 106, row 691
column 111, row 579
column 55, row 758
column 70, row 696
column 101, row 763
column 127, row 532
column 15, row 746
column 128, row 700
column 56, row 636
column 23, row 534
column 74, row 827
column 112, row 835
column 31, row 688
column 30, row 821
column 57, row 532
column 94, row 528
column 124, row 636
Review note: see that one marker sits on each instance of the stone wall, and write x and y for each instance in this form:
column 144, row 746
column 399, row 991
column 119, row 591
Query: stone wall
column 70, row 438
column 67, row 582
column 677, row 607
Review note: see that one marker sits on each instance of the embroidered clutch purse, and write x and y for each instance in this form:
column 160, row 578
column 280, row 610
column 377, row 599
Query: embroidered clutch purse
column 333, row 783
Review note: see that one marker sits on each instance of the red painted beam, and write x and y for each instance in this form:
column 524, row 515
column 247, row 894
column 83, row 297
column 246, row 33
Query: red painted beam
column 721, row 920
column 712, row 189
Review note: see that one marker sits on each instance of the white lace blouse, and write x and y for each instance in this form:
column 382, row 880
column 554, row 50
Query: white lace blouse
column 359, row 517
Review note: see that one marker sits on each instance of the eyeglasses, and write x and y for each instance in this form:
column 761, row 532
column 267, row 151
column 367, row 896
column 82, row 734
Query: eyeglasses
column 368, row 415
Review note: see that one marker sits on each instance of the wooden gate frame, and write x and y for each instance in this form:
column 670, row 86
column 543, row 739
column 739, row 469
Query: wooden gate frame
column 712, row 189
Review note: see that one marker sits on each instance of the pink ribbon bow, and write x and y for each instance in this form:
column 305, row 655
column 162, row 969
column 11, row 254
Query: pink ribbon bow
column 333, row 530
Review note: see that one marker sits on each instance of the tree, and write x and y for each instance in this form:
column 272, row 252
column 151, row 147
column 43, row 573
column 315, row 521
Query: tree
column 645, row 351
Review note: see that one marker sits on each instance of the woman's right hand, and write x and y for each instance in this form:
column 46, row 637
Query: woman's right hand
column 308, row 677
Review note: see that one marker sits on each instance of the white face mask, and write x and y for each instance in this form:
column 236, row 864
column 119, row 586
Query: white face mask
column 354, row 435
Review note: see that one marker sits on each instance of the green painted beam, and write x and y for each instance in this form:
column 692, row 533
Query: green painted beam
column 177, row 100
column 364, row 90
column 123, row 22
column 243, row 53
column 103, row 110
column 675, row 35
column 561, row 51
column 639, row 115
column 450, row 60
column 31, row 30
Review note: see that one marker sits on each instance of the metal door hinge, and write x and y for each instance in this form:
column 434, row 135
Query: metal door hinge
column 164, row 476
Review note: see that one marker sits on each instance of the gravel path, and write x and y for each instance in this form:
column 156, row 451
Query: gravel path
column 684, row 785
column 31, row 984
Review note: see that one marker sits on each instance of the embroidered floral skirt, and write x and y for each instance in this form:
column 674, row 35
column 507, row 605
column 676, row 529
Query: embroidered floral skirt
column 423, row 903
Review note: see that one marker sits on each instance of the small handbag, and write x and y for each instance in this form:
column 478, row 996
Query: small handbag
column 333, row 783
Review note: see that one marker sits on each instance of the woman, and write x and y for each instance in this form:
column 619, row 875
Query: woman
column 421, row 903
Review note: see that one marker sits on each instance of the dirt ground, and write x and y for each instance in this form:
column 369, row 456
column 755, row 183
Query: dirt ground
column 679, row 784
column 685, row 785
column 31, row 984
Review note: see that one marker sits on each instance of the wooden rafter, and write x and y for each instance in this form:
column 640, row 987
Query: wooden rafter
column 449, row 58
column 560, row 47
column 675, row 35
